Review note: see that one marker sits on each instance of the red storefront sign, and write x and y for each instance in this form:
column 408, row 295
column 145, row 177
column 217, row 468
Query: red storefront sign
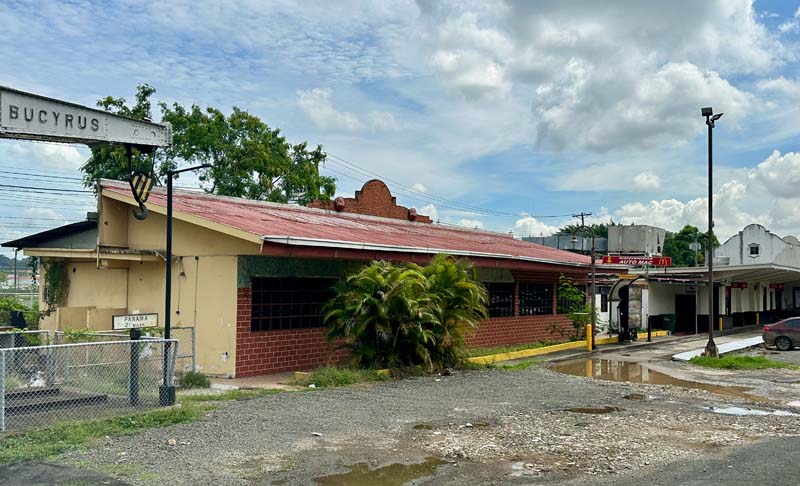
column 637, row 261
column 776, row 286
column 738, row 285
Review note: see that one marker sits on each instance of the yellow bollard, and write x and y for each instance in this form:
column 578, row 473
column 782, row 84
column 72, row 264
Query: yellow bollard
column 720, row 324
column 588, row 337
column 758, row 318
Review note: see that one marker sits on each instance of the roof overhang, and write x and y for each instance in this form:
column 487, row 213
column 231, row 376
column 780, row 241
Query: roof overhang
column 374, row 247
column 766, row 273
column 134, row 256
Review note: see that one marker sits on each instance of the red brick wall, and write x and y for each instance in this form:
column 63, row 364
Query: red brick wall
column 500, row 331
column 373, row 199
column 264, row 352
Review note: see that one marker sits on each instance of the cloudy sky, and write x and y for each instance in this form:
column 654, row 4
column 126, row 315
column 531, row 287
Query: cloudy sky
column 498, row 114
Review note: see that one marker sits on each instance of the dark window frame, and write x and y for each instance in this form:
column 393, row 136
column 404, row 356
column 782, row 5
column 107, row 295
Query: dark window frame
column 501, row 298
column 284, row 303
column 535, row 299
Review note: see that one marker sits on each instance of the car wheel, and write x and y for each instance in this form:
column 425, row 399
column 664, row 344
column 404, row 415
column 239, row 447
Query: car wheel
column 783, row 343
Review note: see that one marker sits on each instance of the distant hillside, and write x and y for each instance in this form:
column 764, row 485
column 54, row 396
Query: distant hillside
column 7, row 265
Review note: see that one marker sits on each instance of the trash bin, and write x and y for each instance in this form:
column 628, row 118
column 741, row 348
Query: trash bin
column 669, row 321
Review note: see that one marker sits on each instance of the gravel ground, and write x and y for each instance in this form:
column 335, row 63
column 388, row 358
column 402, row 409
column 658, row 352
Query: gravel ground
column 492, row 426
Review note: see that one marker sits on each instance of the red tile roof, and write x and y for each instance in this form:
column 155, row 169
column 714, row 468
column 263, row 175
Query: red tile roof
column 300, row 226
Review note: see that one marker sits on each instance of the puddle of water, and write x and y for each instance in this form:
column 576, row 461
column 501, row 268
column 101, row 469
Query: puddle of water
column 635, row 396
column 595, row 410
column 392, row 475
column 613, row 370
column 741, row 411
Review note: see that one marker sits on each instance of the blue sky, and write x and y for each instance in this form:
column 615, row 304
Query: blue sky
column 498, row 114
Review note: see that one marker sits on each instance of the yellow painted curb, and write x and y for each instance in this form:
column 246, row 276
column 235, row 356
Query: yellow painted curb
column 527, row 353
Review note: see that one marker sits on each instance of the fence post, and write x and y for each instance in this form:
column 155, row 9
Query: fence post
column 194, row 355
column 2, row 390
column 167, row 389
column 133, row 381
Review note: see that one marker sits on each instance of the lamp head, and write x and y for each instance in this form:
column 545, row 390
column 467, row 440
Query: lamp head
column 707, row 111
column 716, row 117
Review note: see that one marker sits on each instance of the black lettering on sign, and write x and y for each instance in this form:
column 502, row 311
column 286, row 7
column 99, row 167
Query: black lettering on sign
column 95, row 124
column 81, row 122
column 56, row 114
column 42, row 116
column 13, row 112
column 68, row 120
column 25, row 113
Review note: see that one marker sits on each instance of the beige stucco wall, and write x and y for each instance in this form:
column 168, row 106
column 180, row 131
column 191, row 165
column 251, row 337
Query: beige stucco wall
column 203, row 286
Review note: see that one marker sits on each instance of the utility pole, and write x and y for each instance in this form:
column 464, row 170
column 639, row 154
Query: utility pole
column 15, row 269
column 593, row 291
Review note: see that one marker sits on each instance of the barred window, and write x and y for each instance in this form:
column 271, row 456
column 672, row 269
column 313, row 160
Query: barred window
column 564, row 303
column 289, row 303
column 603, row 290
column 535, row 299
column 501, row 299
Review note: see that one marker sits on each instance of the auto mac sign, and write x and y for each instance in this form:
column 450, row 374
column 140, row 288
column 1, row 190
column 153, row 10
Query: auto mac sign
column 134, row 321
column 32, row 117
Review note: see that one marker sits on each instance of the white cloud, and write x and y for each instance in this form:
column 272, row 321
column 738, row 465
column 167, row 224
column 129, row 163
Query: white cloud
column 43, row 213
column 782, row 86
column 431, row 211
column 53, row 155
column 779, row 175
column 472, row 223
column 317, row 104
column 530, row 226
column 419, row 187
column 646, row 181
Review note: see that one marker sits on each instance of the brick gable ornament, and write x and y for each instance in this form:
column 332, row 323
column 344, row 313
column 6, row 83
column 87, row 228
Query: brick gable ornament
column 374, row 199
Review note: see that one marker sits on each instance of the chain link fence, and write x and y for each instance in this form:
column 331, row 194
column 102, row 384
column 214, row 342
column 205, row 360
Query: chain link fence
column 23, row 338
column 43, row 384
column 186, row 360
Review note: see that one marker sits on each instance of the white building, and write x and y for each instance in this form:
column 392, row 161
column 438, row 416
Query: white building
column 757, row 278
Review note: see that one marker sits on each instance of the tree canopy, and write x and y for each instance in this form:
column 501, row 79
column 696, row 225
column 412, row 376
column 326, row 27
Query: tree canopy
column 676, row 245
column 248, row 158
column 600, row 230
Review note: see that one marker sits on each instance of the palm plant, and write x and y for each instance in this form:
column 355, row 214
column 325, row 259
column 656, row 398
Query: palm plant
column 389, row 315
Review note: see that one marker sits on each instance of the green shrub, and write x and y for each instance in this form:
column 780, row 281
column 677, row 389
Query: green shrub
column 392, row 316
column 331, row 376
column 194, row 379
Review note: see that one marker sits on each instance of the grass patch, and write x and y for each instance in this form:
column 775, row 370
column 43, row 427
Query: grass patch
column 734, row 362
column 194, row 379
column 56, row 439
column 522, row 365
column 227, row 396
column 331, row 376
column 488, row 351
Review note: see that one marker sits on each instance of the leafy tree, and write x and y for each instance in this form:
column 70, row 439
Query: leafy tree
column 391, row 315
column 676, row 245
column 572, row 302
column 248, row 158
column 600, row 230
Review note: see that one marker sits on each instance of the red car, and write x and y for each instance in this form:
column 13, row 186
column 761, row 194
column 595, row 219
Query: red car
column 783, row 334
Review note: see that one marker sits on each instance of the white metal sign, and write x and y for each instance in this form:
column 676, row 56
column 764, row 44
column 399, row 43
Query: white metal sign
column 33, row 117
column 134, row 321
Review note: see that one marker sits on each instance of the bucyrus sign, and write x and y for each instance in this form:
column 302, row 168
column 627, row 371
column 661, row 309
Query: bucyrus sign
column 32, row 117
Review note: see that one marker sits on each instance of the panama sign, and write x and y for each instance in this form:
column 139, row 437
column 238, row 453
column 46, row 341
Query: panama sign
column 32, row 117
column 638, row 261
column 134, row 321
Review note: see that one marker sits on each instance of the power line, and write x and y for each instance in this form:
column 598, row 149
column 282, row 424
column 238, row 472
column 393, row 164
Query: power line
column 424, row 196
column 42, row 176
column 46, row 189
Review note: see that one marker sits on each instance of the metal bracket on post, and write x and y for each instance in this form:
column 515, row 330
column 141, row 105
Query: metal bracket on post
column 133, row 381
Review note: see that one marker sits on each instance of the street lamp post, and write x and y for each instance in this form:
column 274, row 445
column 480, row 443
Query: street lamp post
column 593, row 291
column 711, row 347
column 168, row 390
